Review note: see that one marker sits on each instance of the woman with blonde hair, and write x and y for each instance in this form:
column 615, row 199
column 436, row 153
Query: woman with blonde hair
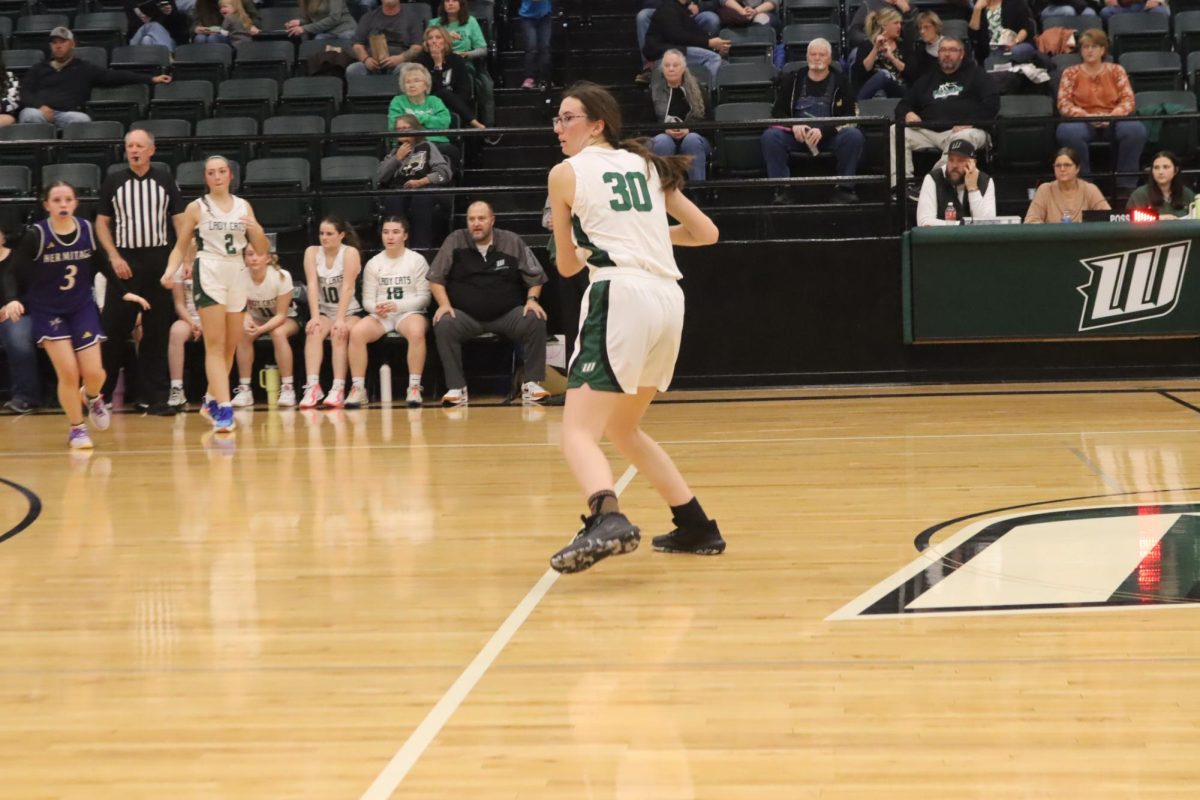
column 879, row 69
column 677, row 98
column 449, row 77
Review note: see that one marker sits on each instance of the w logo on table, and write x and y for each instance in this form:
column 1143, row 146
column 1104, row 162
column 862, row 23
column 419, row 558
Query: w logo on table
column 1134, row 285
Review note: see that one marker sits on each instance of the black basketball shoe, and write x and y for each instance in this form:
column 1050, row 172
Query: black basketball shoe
column 603, row 535
column 702, row 541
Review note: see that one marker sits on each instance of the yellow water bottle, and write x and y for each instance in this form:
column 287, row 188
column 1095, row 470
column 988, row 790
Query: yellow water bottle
column 268, row 379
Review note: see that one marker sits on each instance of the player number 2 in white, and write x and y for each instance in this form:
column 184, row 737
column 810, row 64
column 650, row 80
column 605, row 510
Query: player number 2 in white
column 629, row 191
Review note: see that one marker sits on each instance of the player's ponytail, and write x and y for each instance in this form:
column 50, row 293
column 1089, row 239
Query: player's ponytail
column 599, row 104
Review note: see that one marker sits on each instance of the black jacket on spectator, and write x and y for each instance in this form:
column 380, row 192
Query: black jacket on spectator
column 967, row 96
column 67, row 89
column 785, row 99
column 1014, row 15
column 171, row 18
column 672, row 26
column 486, row 287
column 947, row 194
column 451, row 84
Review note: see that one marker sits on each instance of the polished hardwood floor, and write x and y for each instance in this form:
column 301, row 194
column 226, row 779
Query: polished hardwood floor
column 274, row 618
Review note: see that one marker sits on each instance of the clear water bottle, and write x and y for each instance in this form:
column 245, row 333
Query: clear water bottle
column 1067, row 218
column 385, row 383
column 951, row 214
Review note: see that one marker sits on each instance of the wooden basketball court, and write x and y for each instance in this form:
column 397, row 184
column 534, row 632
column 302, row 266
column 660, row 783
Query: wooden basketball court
column 357, row 604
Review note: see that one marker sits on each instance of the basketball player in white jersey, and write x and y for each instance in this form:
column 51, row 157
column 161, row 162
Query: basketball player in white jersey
column 396, row 293
column 331, row 270
column 269, row 312
column 609, row 203
column 222, row 225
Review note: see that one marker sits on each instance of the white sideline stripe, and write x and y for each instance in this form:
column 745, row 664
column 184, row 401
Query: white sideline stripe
column 406, row 757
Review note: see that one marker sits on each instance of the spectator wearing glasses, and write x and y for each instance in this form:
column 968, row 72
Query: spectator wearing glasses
column 1065, row 198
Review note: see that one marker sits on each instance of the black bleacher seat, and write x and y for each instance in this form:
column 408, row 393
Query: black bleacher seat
column 121, row 103
column 1021, row 141
column 1193, row 71
column 189, row 176
column 321, row 96
column 751, row 82
column 876, row 155
column 802, row 11
column 234, row 129
column 146, row 59
column 84, row 141
column 95, row 55
column 1178, row 136
column 6, row 29
column 347, row 173
column 1187, row 32
column 1133, row 32
column 1150, row 72
column 32, row 31
column 272, row 60
column 752, row 43
column 155, row 164
column 190, row 100
column 210, row 62
column 957, row 29
column 370, row 94
column 18, row 62
column 15, row 182
column 84, row 177
column 273, row 22
column 738, row 152
column 796, row 38
column 247, row 97
column 312, row 47
column 107, row 29
column 18, row 151
column 298, row 125
column 15, row 8
column 68, row 7
column 1079, row 24
column 287, row 178
column 358, row 123
column 170, row 138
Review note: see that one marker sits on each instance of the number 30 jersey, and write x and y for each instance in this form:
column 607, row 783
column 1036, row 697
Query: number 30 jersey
column 221, row 236
column 619, row 214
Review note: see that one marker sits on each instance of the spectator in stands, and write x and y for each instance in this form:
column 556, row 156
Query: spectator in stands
column 1002, row 26
column 1097, row 88
column 1065, row 8
column 533, row 16
column 487, row 280
column 678, row 98
column 878, row 66
column 672, row 26
column 703, row 12
column 1065, row 198
column 25, row 387
column 401, row 27
column 924, row 56
column 467, row 40
column 1113, row 7
column 205, row 22
column 856, row 33
column 814, row 92
column 322, row 19
column 156, row 22
column 55, row 90
column 449, row 80
column 740, row 13
column 414, row 165
column 416, row 84
column 1163, row 190
column 957, row 184
column 10, row 95
column 236, row 25
column 945, row 103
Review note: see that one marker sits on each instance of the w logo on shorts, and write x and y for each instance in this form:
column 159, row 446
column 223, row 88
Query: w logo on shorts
column 1133, row 285
column 587, row 366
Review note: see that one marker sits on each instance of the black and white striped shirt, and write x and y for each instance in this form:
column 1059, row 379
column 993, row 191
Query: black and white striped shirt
column 140, row 208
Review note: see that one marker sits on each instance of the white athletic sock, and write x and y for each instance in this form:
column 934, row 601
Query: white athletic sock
column 243, row 381
column 414, row 380
column 311, row 380
column 177, row 384
column 338, row 384
column 360, row 383
column 286, row 381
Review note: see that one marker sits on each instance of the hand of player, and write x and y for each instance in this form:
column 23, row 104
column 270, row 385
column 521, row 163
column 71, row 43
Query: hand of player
column 340, row 329
column 534, row 307
column 14, row 311
column 168, row 278
column 250, row 223
column 248, row 326
column 130, row 297
column 385, row 308
column 441, row 312
column 121, row 267
column 197, row 332
column 313, row 327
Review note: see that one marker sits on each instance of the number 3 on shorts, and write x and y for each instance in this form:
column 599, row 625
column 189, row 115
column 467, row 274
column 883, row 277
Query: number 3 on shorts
column 630, row 191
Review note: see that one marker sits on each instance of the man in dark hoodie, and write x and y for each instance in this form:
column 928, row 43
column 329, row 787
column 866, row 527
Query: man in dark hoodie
column 56, row 89
column 946, row 103
column 673, row 26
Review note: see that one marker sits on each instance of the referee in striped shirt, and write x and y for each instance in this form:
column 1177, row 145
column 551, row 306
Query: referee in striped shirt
column 136, row 204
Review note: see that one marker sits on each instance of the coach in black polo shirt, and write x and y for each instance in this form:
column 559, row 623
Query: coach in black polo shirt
column 488, row 281
column 136, row 205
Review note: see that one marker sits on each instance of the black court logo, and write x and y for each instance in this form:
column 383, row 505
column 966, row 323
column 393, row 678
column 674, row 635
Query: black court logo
column 1105, row 557
column 1134, row 285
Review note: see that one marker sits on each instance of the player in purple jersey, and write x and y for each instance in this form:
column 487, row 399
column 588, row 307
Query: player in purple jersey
column 52, row 274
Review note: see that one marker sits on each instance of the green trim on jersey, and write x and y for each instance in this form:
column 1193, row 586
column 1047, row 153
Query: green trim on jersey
column 592, row 367
column 199, row 296
column 597, row 257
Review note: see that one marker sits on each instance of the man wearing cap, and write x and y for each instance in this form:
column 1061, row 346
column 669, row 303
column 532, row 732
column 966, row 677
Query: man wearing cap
column 956, row 183
column 56, row 89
